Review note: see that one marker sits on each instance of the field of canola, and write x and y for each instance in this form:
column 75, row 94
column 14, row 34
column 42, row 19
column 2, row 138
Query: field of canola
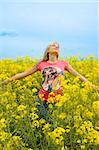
column 74, row 117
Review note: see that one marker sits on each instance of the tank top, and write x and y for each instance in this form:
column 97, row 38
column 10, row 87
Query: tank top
column 51, row 77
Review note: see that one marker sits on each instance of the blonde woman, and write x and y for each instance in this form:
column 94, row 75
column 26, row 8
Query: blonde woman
column 51, row 68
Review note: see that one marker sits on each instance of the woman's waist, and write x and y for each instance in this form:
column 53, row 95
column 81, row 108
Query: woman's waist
column 49, row 96
column 43, row 91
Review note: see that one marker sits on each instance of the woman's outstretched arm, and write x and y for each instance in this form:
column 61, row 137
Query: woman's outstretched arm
column 71, row 70
column 21, row 75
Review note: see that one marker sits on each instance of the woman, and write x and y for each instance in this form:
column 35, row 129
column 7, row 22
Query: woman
column 51, row 69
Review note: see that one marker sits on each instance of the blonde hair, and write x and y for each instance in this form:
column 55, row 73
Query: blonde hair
column 46, row 56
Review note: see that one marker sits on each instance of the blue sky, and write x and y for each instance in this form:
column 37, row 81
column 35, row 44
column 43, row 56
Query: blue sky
column 27, row 27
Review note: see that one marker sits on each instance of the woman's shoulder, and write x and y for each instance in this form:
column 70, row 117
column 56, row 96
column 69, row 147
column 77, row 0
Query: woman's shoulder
column 65, row 64
column 40, row 64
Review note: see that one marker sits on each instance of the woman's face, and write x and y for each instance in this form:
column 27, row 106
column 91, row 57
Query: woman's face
column 54, row 48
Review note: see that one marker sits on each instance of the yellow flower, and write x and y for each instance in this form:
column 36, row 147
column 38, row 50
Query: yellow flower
column 78, row 100
column 42, row 121
column 57, row 98
column 21, row 107
column 88, row 114
column 67, row 130
column 34, row 109
column 46, row 126
column 17, row 117
column 35, row 123
column 34, row 116
column 51, row 100
column 97, row 140
column 84, row 141
column 79, row 141
column 34, row 90
column 96, row 136
column 62, row 116
column 2, row 123
column 57, row 141
column 82, row 146
column 4, row 135
column 95, row 107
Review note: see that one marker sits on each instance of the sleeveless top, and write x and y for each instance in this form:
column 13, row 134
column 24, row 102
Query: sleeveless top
column 51, row 75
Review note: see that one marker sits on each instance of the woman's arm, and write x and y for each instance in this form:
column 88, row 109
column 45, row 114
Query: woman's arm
column 21, row 75
column 71, row 70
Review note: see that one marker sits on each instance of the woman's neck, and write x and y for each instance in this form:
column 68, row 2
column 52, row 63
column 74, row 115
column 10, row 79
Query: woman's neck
column 52, row 59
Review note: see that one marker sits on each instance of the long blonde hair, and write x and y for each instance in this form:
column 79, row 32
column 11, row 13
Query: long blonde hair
column 45, row 56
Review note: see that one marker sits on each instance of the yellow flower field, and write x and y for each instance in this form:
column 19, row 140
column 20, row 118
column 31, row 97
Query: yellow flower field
column 74, row 118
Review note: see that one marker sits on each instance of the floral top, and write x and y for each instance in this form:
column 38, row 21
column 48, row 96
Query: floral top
column 51, row 72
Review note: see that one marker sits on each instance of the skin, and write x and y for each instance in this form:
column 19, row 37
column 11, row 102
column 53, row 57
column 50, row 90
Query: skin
column 53, row 50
